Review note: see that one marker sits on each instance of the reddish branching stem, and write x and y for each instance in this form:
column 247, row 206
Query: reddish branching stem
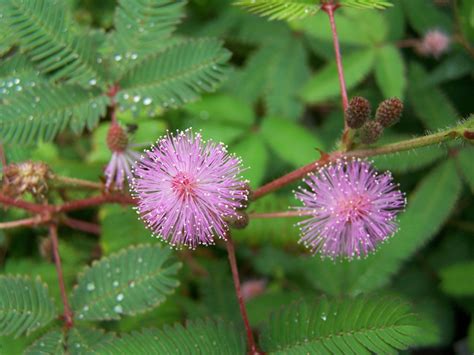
column 243, row 311
column 330, row 8
column 95, row 201
column 82, row 226
column 291, row 177
column 114, row 89
column 67, row 315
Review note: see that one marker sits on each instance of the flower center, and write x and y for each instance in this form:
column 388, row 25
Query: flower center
column 183, row 185
column 353, row 207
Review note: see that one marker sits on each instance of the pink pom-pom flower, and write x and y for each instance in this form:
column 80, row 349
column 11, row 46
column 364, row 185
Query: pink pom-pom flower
column 350, row 208
column 188, row 188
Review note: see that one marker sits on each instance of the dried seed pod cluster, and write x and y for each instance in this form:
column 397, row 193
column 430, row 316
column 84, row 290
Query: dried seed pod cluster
column 26, row 177
column 358, row 116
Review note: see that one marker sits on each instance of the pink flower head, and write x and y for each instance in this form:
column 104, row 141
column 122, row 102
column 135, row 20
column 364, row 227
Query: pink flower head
column 434, row 43
column 123, row 158
column 352, row 209
column 187, row 188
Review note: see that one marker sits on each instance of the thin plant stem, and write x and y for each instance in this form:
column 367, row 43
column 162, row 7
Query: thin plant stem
column 26, row 222
column 409, row 144
column 95, row 201
column 67, row 315
column 82, row 226
column 330, row 8
column 283, row 214
column 24, row 205
column 65, row 180
column 243, row 311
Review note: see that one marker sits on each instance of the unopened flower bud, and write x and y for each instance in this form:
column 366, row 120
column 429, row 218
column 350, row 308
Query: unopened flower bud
column 389, row 112
column 239, row 220
column 370, row 132
column 434, row 44
column 117, row 139
column 358, row 112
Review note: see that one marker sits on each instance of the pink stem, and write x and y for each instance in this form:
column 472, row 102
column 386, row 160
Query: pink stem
column 329, row 8
column 68, row 315
column 82, row 226
column 243, row 310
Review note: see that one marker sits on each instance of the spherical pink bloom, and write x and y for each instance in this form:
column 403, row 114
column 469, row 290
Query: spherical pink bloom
column 187, row 188
column 434, row 43
column 123, row 158
column 351, row 209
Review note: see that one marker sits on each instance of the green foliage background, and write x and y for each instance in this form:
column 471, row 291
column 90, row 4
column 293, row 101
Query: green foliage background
column 274, row 104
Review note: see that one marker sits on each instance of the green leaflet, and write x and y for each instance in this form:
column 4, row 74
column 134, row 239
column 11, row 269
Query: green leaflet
column 175, row 76
column 82, row 340
column 354, row 27
column 275, row 77
column 350, row 326
column 280, row 9
column 127, row 283
column 42, row 111
column 121, row 228
column 298, row 152
column 254, row 156
column 458, row 279
column 367, row 4
column 50, row 343
column 390, row 71
column 466, row 166
column 48, row 35
column 25, row 305
column 324, row 85
column 430, row 104
column 433, row 17
column 200, row 336
column 143, row 26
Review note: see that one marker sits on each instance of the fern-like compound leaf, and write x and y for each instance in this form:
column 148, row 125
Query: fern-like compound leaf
column 367, row 4
column 25, row 305
column 83, row 340
column 175, row 76
column 198, row 337
column 41, row 111
column 142, row 25
column 127, row 283
column 353, row 326
column 50, row 343
column 45, row 31
column 280, row 9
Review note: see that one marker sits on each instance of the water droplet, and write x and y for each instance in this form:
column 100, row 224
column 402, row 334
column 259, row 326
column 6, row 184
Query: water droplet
column 92, row 82
column 115, row 283
column 118, row 57
column 90, row 286
column 140, row 260
column 118, row 309
column 42, row 344
column 120, row 297
column 78, row 345
column 132, row 284
column 86, row 308
column 136, row 98
column 134, row 56
column 147, row 101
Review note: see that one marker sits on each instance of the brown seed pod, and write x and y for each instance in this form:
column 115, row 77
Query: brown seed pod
column 370, row 132
column 358, row 112
column 389, row 112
